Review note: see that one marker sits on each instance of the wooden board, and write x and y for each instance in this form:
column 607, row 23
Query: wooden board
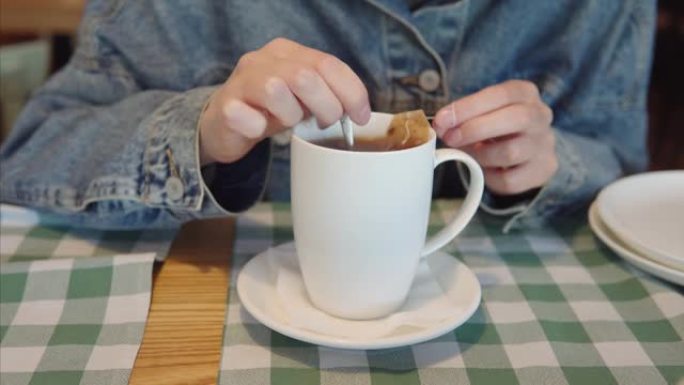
column 184, row 331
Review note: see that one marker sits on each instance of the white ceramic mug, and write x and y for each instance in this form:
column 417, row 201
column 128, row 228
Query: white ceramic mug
column 360, row 218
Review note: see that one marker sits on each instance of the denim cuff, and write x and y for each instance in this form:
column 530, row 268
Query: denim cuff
column 170, row 167
column 173, row 177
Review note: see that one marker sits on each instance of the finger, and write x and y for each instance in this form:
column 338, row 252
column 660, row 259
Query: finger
column 310, row 88
column 512, row 151
column 487, row 100
column 279, row 101
column 347, row 86
column 340, row 78
column 509, row 181
column 505, row 121
column 243, row 119
column 524, row 177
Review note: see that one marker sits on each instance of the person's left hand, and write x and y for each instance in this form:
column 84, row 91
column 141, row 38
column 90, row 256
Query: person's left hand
column 507, row 129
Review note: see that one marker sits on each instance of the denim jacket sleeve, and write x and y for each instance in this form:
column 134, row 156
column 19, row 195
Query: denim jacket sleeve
column 96, row 145
column 600, row 124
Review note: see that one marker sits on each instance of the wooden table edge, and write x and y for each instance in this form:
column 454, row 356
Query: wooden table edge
column 184, row 331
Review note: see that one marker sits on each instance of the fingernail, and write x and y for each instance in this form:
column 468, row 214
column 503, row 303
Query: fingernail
column 232, row 110
column 446, row 118
column 364, row 114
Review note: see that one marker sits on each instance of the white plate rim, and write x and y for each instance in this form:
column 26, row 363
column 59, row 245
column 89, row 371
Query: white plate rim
column 342, row 343
column 645, row 264
column 609, row 219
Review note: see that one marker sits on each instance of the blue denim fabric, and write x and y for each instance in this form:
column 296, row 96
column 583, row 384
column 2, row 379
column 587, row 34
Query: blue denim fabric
column 112, row 138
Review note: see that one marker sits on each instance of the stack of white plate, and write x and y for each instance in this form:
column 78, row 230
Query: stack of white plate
column 641, row 218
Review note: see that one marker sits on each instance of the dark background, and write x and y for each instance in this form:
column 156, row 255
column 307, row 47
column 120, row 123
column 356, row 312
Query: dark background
column 666, row 96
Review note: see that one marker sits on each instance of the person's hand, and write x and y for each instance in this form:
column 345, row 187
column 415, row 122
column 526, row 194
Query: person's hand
column 507, row 129
column 272, row 89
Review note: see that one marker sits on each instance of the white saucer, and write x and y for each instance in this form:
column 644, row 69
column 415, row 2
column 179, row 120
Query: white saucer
column 646, row 211
column 257, row 289
column 615, row 244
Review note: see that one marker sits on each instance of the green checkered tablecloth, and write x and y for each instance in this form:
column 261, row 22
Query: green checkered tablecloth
column 73, row 302
column 557, row 308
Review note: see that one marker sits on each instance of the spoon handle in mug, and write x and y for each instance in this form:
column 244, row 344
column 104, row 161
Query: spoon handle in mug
column 347, row 131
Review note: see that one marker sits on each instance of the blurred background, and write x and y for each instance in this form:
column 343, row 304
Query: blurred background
column 37, row 38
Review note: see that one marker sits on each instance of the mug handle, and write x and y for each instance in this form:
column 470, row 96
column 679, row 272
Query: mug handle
column 470, row 203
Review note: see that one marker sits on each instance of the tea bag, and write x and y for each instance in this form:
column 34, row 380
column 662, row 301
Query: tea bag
column 408, row 129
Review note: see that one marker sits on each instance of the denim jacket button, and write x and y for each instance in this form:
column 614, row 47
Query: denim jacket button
column 429, row 80
column 174, row 188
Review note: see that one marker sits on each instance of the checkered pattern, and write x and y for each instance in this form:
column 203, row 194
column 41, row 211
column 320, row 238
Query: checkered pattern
column 557, row 308
column 67, row 318
column 25, row 238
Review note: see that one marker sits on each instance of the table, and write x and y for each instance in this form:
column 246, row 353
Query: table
column 182, row 340
column 182, row 332
column 557, row 308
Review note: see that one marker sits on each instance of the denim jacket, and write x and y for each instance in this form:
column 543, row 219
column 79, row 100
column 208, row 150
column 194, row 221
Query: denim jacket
column 112, row 140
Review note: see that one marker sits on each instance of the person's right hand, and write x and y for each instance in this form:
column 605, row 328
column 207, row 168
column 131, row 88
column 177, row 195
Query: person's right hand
column 272, row 89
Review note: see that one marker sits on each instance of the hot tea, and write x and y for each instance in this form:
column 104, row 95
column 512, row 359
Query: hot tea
column 406, row 130
column 382, row 143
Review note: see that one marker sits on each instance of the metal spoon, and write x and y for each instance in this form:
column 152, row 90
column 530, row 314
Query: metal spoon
column 347, row 130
